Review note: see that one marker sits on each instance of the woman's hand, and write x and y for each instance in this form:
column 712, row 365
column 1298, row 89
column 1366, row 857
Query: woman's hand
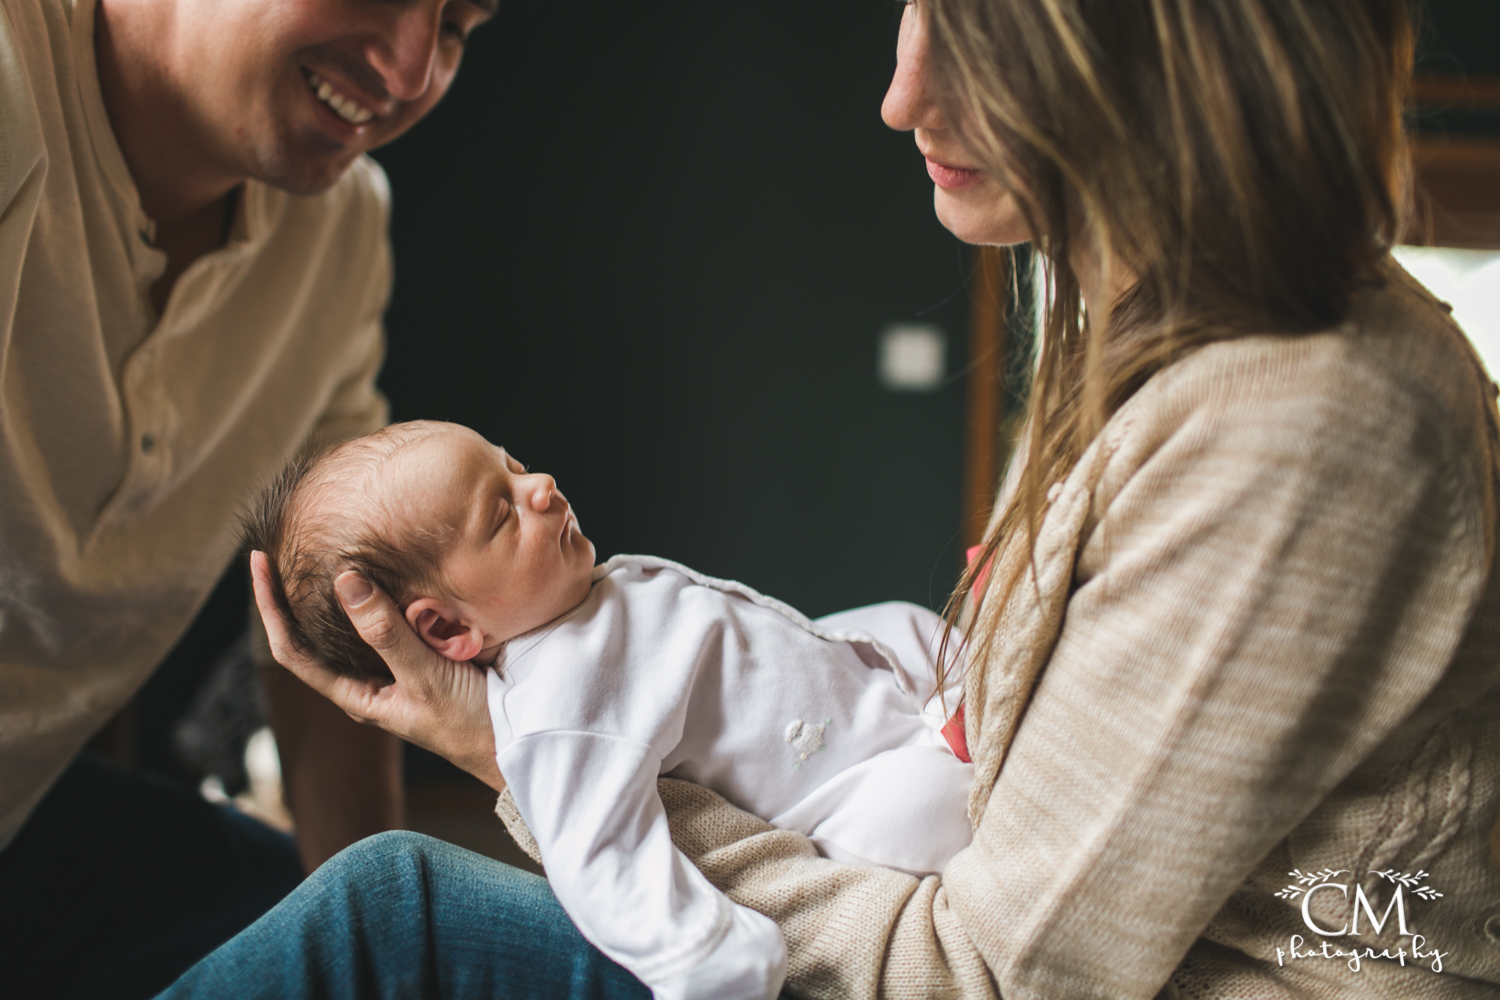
column 436, row 703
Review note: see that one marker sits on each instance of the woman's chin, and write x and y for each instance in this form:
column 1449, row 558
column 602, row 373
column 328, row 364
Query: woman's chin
column 981, row 215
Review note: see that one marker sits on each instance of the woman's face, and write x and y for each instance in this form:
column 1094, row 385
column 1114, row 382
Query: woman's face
column 968, row 201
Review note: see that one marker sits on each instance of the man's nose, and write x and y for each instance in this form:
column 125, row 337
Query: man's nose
column 404, row 50
column 908, row 101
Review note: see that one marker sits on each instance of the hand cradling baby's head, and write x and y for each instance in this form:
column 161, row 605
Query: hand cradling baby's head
column 332, row 511
column 472, row 547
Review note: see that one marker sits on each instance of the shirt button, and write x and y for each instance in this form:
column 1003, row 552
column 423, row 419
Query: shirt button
column 148, row 443
column 1492, row 929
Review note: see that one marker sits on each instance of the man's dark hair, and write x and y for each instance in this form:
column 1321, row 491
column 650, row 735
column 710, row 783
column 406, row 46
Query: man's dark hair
column 308, row 549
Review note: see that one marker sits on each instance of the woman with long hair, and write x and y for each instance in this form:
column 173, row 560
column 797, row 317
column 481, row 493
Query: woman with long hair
column 1232, row 637
column 1232, row 642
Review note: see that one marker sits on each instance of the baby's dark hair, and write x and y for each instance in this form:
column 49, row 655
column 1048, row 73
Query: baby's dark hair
column 309, row 544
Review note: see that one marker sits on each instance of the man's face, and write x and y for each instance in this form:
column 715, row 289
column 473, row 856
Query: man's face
column 290, row 92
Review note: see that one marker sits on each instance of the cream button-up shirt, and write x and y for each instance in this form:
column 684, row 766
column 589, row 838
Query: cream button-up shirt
column 128, row 441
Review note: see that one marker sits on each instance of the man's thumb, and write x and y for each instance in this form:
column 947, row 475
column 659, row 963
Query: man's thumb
column 353, row 589
column 372, row 613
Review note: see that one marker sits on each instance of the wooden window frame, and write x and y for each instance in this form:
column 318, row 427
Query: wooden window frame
column 1457, row 178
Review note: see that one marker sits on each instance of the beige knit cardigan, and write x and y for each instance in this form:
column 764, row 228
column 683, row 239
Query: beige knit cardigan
column 1262, row 637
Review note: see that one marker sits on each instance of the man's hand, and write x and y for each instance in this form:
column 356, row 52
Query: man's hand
column 436, row 703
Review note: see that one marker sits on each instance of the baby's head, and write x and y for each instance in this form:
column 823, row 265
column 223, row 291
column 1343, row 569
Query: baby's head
column 473, row 548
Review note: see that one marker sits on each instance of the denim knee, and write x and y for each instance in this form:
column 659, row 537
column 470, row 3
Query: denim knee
column 392, row 842
column 374, row 862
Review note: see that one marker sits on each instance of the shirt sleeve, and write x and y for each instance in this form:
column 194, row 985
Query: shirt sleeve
column 591, row 803
column 1276, row 580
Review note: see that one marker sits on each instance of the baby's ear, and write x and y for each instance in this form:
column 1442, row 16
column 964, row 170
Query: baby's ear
column 440, row 627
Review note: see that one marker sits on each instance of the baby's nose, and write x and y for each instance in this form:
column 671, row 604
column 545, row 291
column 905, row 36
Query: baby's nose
column 544, row 493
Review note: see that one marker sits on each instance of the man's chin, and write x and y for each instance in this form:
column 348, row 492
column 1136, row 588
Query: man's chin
column 303, row 172
column 305, row 183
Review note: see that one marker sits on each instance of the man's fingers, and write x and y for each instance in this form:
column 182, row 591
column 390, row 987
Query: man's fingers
column 354, row 695
column 283, row 649
column 312, row 673
column 380, row 623
column 270, row 614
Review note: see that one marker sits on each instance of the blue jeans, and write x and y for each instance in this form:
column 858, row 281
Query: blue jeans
column 402, row 915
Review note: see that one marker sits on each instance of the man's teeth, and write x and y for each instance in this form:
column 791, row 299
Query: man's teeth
column 342, row 106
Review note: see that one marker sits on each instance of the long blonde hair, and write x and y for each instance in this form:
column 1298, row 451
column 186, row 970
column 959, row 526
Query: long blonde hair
column 1243, row 160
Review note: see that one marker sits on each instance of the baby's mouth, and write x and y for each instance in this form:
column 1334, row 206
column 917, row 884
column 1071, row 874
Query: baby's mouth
column 341, row 104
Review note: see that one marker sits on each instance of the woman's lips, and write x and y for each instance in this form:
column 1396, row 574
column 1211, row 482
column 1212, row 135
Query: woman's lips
column 952, row 178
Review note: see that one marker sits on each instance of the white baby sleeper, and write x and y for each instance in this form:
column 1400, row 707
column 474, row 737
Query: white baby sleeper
column 816, row 726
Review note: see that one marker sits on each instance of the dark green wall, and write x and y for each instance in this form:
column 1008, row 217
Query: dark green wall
column 1458, row 37
column 650, row 247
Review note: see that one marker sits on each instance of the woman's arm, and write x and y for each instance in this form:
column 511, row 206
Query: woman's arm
column 1285, row 551
column 850, row 931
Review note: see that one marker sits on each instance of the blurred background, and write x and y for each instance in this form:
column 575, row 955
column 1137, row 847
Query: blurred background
column 652, row 250
column 670, row 254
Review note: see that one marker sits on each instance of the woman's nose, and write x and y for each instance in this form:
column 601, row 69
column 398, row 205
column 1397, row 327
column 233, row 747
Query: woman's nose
column 908, row 101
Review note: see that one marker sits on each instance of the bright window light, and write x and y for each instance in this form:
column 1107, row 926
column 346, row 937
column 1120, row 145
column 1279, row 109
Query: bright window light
column 1470, row 281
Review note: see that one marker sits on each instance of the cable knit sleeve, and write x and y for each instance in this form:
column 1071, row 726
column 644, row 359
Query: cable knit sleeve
column 1283, row 550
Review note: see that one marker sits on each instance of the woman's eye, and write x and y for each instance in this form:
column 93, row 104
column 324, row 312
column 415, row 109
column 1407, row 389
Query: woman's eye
column 501, row 514
column 455, row 32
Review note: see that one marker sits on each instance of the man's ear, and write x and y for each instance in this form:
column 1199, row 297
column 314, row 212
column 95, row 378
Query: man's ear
column 440, row 627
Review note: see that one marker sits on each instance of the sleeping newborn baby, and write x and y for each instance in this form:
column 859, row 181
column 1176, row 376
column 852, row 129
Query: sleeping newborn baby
column 603, row 678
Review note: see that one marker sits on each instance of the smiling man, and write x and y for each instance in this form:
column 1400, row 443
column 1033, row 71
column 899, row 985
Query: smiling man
column 193, row 270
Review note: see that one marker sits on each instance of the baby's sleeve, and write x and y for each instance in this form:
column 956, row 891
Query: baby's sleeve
column 592, row 805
